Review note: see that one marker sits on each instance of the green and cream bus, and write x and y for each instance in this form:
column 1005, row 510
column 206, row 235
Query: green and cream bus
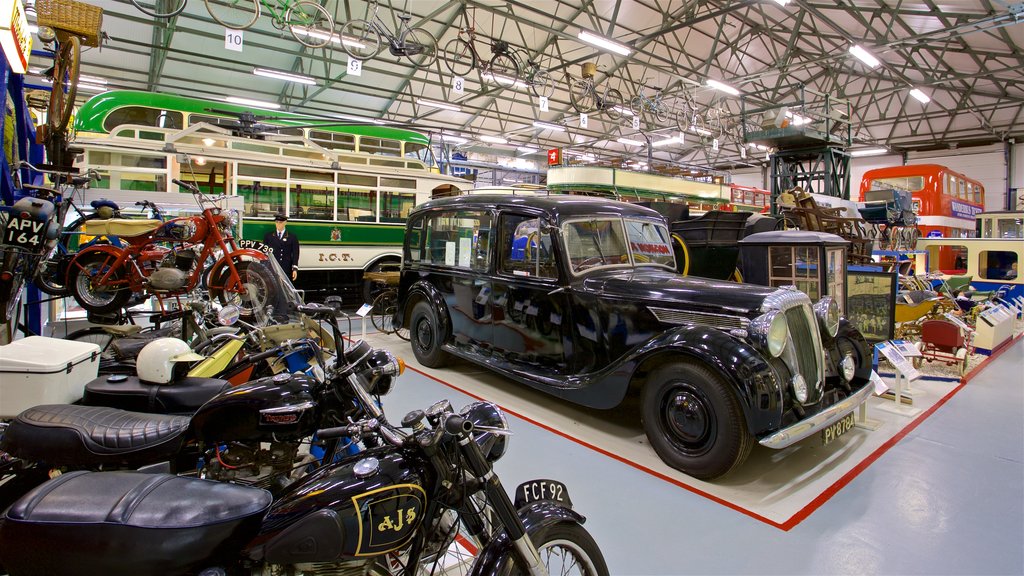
column 346, row 189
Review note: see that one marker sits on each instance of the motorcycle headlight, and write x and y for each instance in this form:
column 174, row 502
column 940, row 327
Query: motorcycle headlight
column 490, row 429
column 770, row 332
column 380, row 370
column 827, row 311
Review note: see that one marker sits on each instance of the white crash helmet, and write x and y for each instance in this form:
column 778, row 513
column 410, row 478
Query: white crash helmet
column 157, row 361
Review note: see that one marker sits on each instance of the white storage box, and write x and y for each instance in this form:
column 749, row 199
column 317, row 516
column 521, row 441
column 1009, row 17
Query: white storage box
column 39, row 370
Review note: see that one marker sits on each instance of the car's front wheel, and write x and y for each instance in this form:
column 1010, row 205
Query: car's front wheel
column 693, row 421
column 426, row 336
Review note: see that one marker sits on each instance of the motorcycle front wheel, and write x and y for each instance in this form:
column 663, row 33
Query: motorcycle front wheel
column 259, row 288
column 565, row 549
column 94, row 298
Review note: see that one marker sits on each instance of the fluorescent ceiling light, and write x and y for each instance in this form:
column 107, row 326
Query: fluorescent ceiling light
column 91, row 79
column 453, row 139
column 665, row 142
column 253, row 103
column 623, row 111
column 782, row 2
column 864, row 56
column 503, row 80
column 630, row 142
column 723, row 87
column 920, row 96
column 493, row 139
column 92, row 87
column 701, row 131
column 435, row 104
column 267, row 72
column 869, row 152
column 547, row 126
column 209, row 141
column 601, row 42
column 321, row 34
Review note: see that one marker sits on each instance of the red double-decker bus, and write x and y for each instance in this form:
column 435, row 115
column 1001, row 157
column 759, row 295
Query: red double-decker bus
column 945, row 201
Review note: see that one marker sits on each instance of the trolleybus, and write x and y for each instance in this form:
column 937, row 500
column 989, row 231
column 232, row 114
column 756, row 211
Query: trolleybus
column 346, row 189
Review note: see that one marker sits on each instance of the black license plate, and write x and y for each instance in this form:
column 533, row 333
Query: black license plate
column 24, row 232
column 538, row 490
column 838, row 428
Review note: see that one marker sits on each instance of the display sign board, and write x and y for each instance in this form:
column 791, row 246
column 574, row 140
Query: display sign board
column 956, row 320
column 898, row 360
column 964, row 210
column 458, row 85
column 15, row 39
column 906, row 348
column 542, row 103
column 554, row 156
column 355, row 67
column 233, row 40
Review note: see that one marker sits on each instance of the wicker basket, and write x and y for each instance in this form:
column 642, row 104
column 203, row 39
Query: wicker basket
column 78, row 18
column 588, row 69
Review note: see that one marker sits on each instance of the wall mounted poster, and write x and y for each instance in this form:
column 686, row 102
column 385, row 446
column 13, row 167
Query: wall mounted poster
column 871, row 304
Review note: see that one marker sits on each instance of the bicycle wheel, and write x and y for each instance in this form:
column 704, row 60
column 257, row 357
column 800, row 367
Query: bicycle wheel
column 459, row 57
column 503, row 69
column 581, row 95
column 382, row 312
column 310, row 24
column 542, row 84
column 660, row 113
column 360, row 40
column 425, row 56
column 613, row 103
column 94, row 335
column 234, row 14
column 161, row 8
column 64, row 87
column 11, row 284
column 636, row 105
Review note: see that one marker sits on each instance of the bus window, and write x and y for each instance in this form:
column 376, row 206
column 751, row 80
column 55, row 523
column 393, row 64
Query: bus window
column 907, row 183
column 263, row 198
column 101, row 158
column 976, row 197
column 312, row 201
column 333, row 141
column 359, row 205
column 380, row 146
column 1007, row 228
column 416, row 151
column 208, row 176
column 144, row 116
column 962, row 188
column 395, row 206
column 134, row 181
column 262, row 171
column 997, row 265
column 951, row 187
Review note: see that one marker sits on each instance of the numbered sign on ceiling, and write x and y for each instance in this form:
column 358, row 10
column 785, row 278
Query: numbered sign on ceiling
column 458, row 85
column 355, row 67
column 233, row 39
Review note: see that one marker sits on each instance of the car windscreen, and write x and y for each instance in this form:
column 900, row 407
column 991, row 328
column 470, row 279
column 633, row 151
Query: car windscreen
column 609, row 241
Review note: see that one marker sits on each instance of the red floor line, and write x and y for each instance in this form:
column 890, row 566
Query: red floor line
column 804, row 512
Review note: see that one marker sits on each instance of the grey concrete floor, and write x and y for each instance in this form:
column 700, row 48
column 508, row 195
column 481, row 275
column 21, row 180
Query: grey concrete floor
column 948, row 498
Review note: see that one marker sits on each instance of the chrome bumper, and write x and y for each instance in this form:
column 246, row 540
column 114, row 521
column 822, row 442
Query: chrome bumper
column 818, row 422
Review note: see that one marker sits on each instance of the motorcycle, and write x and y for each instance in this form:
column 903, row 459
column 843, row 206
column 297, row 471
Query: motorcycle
column 426, row 501
column 253, row 431
column 167, row 259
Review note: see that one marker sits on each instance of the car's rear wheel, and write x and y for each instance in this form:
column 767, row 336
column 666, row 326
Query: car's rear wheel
column 426, row 336
column 693, row 421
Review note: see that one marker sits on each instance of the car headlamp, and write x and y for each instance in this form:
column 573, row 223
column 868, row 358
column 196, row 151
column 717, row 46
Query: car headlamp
column 827, row 311
column 848, row 367
column 770, row 331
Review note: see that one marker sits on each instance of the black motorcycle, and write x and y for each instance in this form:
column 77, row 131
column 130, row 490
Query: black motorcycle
column 252, row 432
column 426, row 501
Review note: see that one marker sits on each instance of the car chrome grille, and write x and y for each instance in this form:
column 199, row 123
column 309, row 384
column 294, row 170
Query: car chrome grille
column 685, row 317
column 805, row 345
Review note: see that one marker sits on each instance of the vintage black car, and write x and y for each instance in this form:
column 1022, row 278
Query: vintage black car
column 579, row 297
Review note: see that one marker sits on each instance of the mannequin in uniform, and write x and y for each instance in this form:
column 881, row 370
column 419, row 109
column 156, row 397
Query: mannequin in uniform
column 285, row 246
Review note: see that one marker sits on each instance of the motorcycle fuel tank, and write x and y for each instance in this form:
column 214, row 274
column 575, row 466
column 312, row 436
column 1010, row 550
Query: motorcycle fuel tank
column 276, row 407
column 366, row 505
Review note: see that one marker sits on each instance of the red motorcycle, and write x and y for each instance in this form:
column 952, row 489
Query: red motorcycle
column 167, row 259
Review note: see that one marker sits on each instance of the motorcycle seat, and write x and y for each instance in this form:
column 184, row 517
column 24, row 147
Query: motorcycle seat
column 128, row 348
column 128, row 523
column 183, row 396
column 121, row 227
column 63, row 434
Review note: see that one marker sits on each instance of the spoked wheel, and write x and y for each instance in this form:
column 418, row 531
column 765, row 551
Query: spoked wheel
column 160, row 8
column 359, row 40
column 258, row 289
column 11, row 284
column 425, row 46
column 693, row 421
column 234, row 14
column 503, row 69
column 459, row 57
column 564, row 549
column 612, row 103
column 94, row 335
column 64, row 87
column 542, row 84
column 581, row 95
column 89, row 293
column 383, row 314
column 310, row 23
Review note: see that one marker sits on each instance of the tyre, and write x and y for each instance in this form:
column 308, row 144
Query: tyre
column 565, row 548
column 694, row 421
column 52, row 275
column 258, row 289
column 64, row 86
column 234, row 14
column 94, row 335
column 383, row 315
column 359, row 40
column 636, row 106
column 459, row 57
column 613, row 103
column 160, row 9
column 94, row 298
column 426, row 57
column 581, row 95
column 310, row 24
column 660, row 113
column 542, row 84
column 503, row 69
column 426, row 336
